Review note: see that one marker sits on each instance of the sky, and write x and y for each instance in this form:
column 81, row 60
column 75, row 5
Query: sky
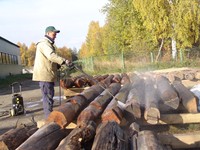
column 25, row 21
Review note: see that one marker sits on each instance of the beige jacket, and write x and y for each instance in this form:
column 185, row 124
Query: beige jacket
column 46, row 60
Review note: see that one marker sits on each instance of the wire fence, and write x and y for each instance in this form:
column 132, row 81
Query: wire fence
column 128, row 61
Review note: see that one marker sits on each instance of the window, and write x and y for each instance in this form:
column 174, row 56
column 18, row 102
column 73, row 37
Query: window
column 8, row 58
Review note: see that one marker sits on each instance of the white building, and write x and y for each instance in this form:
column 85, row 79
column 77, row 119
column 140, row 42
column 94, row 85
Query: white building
column 10, row 61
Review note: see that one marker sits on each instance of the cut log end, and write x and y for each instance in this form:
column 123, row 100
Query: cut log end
column 112, row 115
column 152, row 115
column 58, row 118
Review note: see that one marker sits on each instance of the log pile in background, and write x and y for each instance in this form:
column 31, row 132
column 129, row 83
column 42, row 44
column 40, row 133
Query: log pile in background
column 81, row 81
column 100, row 110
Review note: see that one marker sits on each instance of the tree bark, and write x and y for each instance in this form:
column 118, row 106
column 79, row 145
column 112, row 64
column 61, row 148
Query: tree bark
column 66, row 83
column 148, row 140
column 77, row 137
column 189, row 75
column 113, row 112
column 152, row 113
column 188, row 99
column 116, row 79
column 97, row 106
column 109, row 136
column 169, row 98
column 46, row 138
column 125, row 79
column 15, row 137
column 67, row 112
column 133, row 104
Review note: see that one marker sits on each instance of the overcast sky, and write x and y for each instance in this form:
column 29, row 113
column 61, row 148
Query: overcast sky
column 25, row 21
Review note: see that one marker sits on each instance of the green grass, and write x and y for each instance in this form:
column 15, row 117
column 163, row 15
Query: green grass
column 106, row 67
column 5, row 82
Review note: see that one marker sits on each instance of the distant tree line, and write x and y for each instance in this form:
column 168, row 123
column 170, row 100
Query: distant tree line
column 144, row 26
column 28, row 53
column 137, row 27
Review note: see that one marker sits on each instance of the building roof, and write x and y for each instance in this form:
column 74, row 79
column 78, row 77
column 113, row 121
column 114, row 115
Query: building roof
column 8, row 41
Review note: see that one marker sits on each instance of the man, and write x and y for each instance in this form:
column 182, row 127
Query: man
column 45, row 67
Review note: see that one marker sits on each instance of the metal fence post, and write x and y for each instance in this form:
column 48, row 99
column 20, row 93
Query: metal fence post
column 123, row 63
column 92, row 63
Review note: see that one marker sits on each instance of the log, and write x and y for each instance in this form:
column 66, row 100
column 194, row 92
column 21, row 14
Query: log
column 15, row 137
column 116, row 79
column 80, row 82
column 66, row 83
column 184, row 118
column 47, row 137
column 181, row 141
column 67, row 112
column 135, row 104
column 152, row 113
column 125, row 79
column 133, row 130
column 91, row 93
column 169, row 98
column 72, row 92
column 77, row 137
column 148, row 140
column 170, row 119
column 190, row 75
column 122, row 95
column 134, row 77
column 113, row 112
column 175, row 75
column 109, row 136
column 188, row 99
column 132, row 107
column 107, row 81
column 197, row 75
column 97, row 106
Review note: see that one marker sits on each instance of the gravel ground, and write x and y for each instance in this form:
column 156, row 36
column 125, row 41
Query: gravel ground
column 33, row 105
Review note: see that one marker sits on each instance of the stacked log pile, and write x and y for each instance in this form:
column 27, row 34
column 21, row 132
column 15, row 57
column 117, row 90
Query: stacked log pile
column 109, row 114
column 82, row 81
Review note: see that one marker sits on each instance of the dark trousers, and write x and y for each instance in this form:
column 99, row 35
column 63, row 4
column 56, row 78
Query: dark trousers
column 47, row 89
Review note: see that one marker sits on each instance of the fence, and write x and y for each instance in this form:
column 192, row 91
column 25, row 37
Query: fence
column 131, row 61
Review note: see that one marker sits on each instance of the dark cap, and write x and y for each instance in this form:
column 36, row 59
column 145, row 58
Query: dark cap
column 51, row 29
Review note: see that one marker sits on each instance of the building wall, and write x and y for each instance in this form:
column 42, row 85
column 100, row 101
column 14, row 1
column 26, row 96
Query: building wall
column 10, row 61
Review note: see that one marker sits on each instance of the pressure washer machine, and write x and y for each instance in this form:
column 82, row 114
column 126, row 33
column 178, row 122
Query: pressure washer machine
column 17, row 100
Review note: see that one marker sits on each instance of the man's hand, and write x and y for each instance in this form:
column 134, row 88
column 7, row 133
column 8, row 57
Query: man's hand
column 69, row 64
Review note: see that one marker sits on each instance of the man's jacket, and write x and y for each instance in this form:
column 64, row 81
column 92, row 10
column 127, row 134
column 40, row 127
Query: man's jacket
column 46, row 60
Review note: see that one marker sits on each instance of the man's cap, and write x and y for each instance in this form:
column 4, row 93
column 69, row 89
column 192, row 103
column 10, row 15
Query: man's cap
column 51, row 29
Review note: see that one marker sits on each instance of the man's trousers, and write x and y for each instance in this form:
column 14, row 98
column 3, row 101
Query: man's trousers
column 47, row 89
